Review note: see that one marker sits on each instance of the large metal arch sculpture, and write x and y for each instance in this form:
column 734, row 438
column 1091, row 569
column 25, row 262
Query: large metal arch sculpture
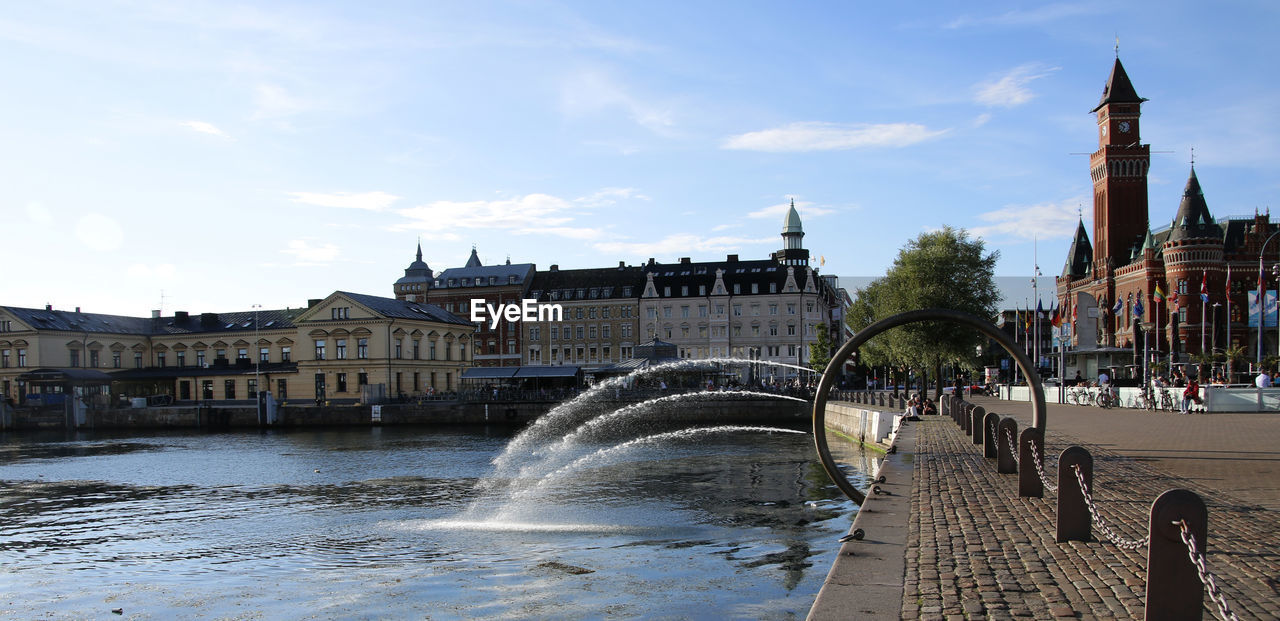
column 847, row 350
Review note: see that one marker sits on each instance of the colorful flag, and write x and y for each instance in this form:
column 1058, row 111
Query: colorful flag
column 1039, row 309
column 1173, row 301
column 1137, row 308
column 1118, row 308
column 1159, row 294
column 1204, row 287
column 1055, row 318
column 1226, row 287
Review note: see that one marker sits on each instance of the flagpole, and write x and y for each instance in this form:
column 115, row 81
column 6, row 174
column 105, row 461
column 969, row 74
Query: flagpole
column 1260, row 309
column 1204, row 301
column 1229, row 310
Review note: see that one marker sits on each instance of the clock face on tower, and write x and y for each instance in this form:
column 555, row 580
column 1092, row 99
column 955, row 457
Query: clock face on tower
column 1104, row 130
column 1124, row 127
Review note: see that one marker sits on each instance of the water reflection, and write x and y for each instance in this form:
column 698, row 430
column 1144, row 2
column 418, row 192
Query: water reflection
column 356, row 523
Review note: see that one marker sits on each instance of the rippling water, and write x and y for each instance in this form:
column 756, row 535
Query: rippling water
column 390, row 523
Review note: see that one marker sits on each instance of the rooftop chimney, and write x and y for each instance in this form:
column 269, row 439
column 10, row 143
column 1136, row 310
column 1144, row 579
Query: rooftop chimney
column 622, row 265
column 555, row 267
column 155, row 314
column 180, row 315
column 733, row 258
column 77, row 309
column 48, row 307
column 313, row 301
column 685, row 260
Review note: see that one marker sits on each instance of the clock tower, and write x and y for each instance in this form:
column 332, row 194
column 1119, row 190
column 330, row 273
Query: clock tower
column 1119, row 171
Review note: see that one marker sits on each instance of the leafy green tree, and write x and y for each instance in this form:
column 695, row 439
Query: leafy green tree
column 939, row 269
column 820, row 349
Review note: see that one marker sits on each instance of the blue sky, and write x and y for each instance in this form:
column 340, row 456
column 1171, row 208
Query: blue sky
column 224, row 154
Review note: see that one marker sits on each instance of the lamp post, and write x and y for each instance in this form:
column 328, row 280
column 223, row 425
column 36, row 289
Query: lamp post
column 1215, row 326
column 257, row 364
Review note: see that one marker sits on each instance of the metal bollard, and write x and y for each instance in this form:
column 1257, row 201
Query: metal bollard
column 881, row 398
column 966, row 415
column 1005, row 463
column 1074, row 521
column 1029, row 483
column 975, row 424
column 989, row 422
column 1174, row 589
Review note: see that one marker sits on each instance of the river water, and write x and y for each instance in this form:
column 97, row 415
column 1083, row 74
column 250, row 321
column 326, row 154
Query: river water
column 394, row 523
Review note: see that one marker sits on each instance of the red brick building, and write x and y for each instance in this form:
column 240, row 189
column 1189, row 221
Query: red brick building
column 1102, row 283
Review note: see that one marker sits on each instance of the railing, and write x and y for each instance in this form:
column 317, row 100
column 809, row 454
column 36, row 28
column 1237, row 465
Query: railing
column 1177, row 574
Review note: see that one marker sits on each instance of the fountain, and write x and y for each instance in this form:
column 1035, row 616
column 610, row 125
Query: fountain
column 550, row 449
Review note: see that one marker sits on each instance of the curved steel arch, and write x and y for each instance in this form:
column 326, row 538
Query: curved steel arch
column 927, row 314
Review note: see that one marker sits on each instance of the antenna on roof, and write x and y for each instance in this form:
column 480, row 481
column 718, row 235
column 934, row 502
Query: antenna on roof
column 162, row 302
column 1117, row 46
column 1193, row 157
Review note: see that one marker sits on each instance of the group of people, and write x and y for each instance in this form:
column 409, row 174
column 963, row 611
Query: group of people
column 919, row 406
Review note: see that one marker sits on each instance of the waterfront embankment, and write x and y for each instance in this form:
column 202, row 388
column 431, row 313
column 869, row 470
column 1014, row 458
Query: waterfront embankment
column 213, row 416
column 953, row 539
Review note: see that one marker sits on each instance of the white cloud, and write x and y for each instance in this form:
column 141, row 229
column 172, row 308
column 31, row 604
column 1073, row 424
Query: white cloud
column 779, row 211
column 1037, row 16
column 521, row 215
column 39, row 214
column 609, row 196
column 306, row 254
column 818, row 136
column 371, row 201
column 980, row 120
column 725, row 227
column 593, row 92
column 99, row 232
column 1043, row 221
column 679, row 244
column 1011, row 89
column 205, row 128
column 273, row 102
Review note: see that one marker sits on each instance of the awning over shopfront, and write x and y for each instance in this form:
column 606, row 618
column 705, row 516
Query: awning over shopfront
column 486, row 373
column 547, row 371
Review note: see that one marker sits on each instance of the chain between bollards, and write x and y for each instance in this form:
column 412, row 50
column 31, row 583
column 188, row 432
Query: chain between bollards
column 1206, row 576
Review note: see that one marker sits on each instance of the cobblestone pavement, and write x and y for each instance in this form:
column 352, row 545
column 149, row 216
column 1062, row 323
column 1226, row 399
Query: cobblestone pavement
column 975, row 550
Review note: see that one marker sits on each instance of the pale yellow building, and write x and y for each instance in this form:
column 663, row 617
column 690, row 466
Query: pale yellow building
column 348, row 347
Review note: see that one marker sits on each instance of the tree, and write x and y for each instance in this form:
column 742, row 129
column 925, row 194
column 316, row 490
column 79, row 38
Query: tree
column 939, row 269
column 820, row 349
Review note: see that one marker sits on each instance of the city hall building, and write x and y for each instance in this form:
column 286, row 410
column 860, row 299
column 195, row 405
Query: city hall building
column 1108, row 287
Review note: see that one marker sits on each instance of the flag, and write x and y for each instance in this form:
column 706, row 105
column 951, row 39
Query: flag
column 1173, row 301
column 1026, row 325
column 1226, row 287
column 1204, row 287
column 1159, row 294
column 1075, row 312
column 1118, row 308
column 1055, row 318
column 1137, row 308
column 1039, row 309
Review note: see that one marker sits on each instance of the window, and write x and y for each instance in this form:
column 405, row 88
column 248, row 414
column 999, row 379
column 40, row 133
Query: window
column 417, row 349
column 182, row 358
column 242, row 353
column 511, row 346
column 319, row 349
column 578, row 314
column 286, row 354
column 417, row 381
column 282, row 389
column 362, row 348
column 6, row 326
column 362, row 379
column 626, row 330
column 535, row 333
column 773, row 287
column 340, row 312
column 341, row 347
column 593, row 353
column 652, row 313
column 253, row 388
column 342, row 382
column 4, row 358
column 604, row 313
column 773, row 329
column 22, row 358
column 74, row 355
column 159, row 358
column 684, row 290
column 791, row 350
column 666, row 312
column 791, row 309
column 591, row 313
column 591, row 332
column 399, row 348
column 264, row 354
column 737, row 310
column 755, row 310
column 206, row 389
column 229, row 389
column 755, row 287
column 137, row 360
column 605, row 332
column 626, row 353
column 666, row 292
column 773, row 309
column 578, row 332
column 604, row 355
column 535, row 355
column 791, row 329
column 431, row 350
column 737, row 289
column 702, row 289
column 808, row 307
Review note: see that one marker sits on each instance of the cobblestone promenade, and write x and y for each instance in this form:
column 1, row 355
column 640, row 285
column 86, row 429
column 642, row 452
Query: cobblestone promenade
column 976, row 550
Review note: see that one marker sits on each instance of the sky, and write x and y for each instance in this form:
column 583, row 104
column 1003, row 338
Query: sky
column 207, row 157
